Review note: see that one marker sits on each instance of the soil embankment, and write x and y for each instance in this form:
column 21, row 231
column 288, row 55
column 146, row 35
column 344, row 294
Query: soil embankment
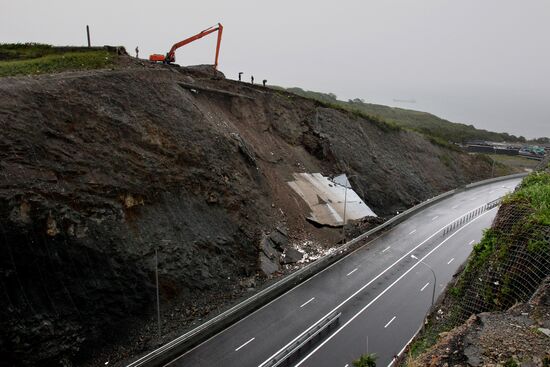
column 98, row 169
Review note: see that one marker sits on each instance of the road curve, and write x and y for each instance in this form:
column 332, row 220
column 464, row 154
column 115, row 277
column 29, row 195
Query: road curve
column 382, row 293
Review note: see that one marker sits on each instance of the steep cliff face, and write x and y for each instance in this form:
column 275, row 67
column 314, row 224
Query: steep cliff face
column 100, row 169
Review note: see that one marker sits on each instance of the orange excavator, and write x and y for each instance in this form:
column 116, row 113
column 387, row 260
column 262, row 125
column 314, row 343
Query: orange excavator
column 170, row 57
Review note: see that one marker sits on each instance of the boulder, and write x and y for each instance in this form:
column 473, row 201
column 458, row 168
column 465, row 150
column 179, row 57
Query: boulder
column 291, row 256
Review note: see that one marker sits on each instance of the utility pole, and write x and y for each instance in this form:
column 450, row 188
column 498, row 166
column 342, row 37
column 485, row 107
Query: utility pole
column 347, row 183
column 433, row 273
column 157, row 281
column 88, row 34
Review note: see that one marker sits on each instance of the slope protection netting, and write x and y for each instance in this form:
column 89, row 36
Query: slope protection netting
column 506, row 267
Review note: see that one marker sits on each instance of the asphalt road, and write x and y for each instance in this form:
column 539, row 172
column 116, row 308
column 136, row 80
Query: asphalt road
column 382, row 292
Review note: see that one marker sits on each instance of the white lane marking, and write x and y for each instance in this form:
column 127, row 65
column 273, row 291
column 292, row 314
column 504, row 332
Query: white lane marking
column 351, row 272
column 490, row 192
column 424, row 287
column 312, row 298
column 474, row 198
column 389, row 322
column 346, row 365
column 236, row 350
column 386, row 249
column 414, row 230
column 454, row 207
column 178, row 339
column 434, row 218
column 472, row 241
column 384, row 291
column 366, row 285
column 450, row 261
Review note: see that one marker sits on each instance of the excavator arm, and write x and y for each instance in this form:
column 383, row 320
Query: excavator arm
column 171, row 55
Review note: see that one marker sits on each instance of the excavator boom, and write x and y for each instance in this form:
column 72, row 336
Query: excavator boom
column 171, row 55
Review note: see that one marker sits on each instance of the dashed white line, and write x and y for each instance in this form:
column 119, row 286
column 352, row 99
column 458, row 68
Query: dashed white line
column 389, row 322
column 414, row 230
column 312, row 298
column 351, row 272
column 450, row 261
column 236, row 350
column 346, row 365
column 472, row 242
column 474, row 198
column 490, row 192
column 328, row 339
column 434, row 218
column 386, row 249
column 454, row 207
column 424, row 287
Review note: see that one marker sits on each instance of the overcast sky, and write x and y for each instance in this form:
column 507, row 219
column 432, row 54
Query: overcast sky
column 481, row 62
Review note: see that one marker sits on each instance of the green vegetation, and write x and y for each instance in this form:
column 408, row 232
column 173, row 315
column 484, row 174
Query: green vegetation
column 534, row 190
column 33, row 59
column 515, row 161
column 366, row 360
column 530, row 206
column 423, row 122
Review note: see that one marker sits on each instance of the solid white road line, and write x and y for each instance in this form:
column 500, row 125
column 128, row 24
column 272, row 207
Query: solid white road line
column 434, row 218
column 386, row 249
column 450, row 261
column 389, row 322
column 236, row 350
column 414, row 230
column 424, row 287
column 369, row 283
column 312, row 298
column 474, row 198
column 385, row 290
column 472, row 241
column 351, row 272
column 454, row 207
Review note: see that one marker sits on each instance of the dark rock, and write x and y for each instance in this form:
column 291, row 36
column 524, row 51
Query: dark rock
column 291, row 256
column 279, row 238
column 267, row 265
column 268, row 248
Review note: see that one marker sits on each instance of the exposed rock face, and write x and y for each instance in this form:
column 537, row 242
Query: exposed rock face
column 99, row 169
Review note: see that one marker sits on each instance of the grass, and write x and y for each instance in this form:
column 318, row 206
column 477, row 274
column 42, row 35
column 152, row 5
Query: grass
column 34, row 59
column 515, row 161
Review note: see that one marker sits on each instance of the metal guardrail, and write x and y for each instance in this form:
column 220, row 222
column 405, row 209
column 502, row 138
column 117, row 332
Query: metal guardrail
column 285, row 354
column 194, row 337
column 471, row 215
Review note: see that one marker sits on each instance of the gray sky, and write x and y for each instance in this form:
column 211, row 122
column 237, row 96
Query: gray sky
column 481, row 62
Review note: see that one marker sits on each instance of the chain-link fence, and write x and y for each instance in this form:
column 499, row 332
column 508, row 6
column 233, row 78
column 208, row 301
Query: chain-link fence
column 507, row 266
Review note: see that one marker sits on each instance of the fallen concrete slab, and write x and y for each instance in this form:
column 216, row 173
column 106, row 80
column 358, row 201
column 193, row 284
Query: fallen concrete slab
column 328, row 198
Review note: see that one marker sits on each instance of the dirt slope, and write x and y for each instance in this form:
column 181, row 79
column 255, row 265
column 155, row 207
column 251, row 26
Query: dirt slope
column 100, row 168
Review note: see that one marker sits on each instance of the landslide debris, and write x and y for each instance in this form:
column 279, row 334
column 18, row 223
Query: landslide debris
column 102, row 169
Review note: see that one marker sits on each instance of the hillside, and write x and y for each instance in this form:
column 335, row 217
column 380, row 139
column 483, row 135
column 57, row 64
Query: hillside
column 422, row 122
column 103, row 169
